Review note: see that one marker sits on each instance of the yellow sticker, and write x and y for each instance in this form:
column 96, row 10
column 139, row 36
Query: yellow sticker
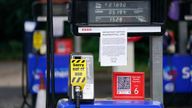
column 37, row 40
column 78, row 72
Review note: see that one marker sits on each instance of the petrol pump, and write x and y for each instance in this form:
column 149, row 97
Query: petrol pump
column 121, row 17
column 36, row 50
column 177, row 65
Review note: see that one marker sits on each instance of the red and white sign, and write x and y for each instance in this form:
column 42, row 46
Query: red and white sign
column 128, row 85
column 143, row 29
column 63, row 46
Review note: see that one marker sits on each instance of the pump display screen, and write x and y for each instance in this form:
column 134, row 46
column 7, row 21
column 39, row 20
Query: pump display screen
column 118, row 12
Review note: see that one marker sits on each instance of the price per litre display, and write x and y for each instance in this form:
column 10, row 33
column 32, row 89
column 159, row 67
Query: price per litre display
column 78, row 72
column 119, row 12
column 128, row 85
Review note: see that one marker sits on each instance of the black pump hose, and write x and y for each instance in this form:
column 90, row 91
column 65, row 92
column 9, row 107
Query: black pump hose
column 77, row 96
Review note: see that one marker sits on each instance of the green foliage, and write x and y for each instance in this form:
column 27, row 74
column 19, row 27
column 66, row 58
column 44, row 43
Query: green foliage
column 11, row 50
column 142, row 56
column 12, row 15
column 91, row 45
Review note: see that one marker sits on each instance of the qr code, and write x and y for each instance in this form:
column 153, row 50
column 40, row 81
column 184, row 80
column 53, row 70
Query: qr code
column 124, row 85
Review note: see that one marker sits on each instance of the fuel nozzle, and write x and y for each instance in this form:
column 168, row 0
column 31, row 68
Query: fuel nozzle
column 77, row 96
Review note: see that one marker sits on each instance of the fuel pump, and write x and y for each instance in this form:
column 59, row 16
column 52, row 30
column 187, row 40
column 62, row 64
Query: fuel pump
column 81, row 78
column 106, row 18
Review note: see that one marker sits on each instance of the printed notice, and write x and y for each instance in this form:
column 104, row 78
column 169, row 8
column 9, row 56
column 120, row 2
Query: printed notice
column 113, row 48
column 58, row 26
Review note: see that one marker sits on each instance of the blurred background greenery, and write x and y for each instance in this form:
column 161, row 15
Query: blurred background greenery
column 15, row 12
column 12, row 16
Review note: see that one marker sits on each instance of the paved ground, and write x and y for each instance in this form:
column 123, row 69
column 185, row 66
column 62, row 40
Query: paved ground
column 10, row 97
column 10, row 70
column 10, row 85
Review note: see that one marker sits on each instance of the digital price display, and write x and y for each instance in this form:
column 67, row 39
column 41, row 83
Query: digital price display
column 137, row 17
column 113, row 12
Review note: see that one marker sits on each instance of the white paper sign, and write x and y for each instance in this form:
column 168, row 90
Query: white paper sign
column 58, row 26
column 113, row 48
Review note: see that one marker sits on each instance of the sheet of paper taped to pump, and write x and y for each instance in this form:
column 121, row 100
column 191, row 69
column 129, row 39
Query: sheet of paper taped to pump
column 113, row 48
column 78, row 72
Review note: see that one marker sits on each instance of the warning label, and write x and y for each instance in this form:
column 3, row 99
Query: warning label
column 78, row 72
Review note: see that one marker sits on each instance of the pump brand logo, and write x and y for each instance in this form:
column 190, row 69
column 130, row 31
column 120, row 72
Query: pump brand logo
column 86, row 29
column 59, row 73
column 187, row 72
